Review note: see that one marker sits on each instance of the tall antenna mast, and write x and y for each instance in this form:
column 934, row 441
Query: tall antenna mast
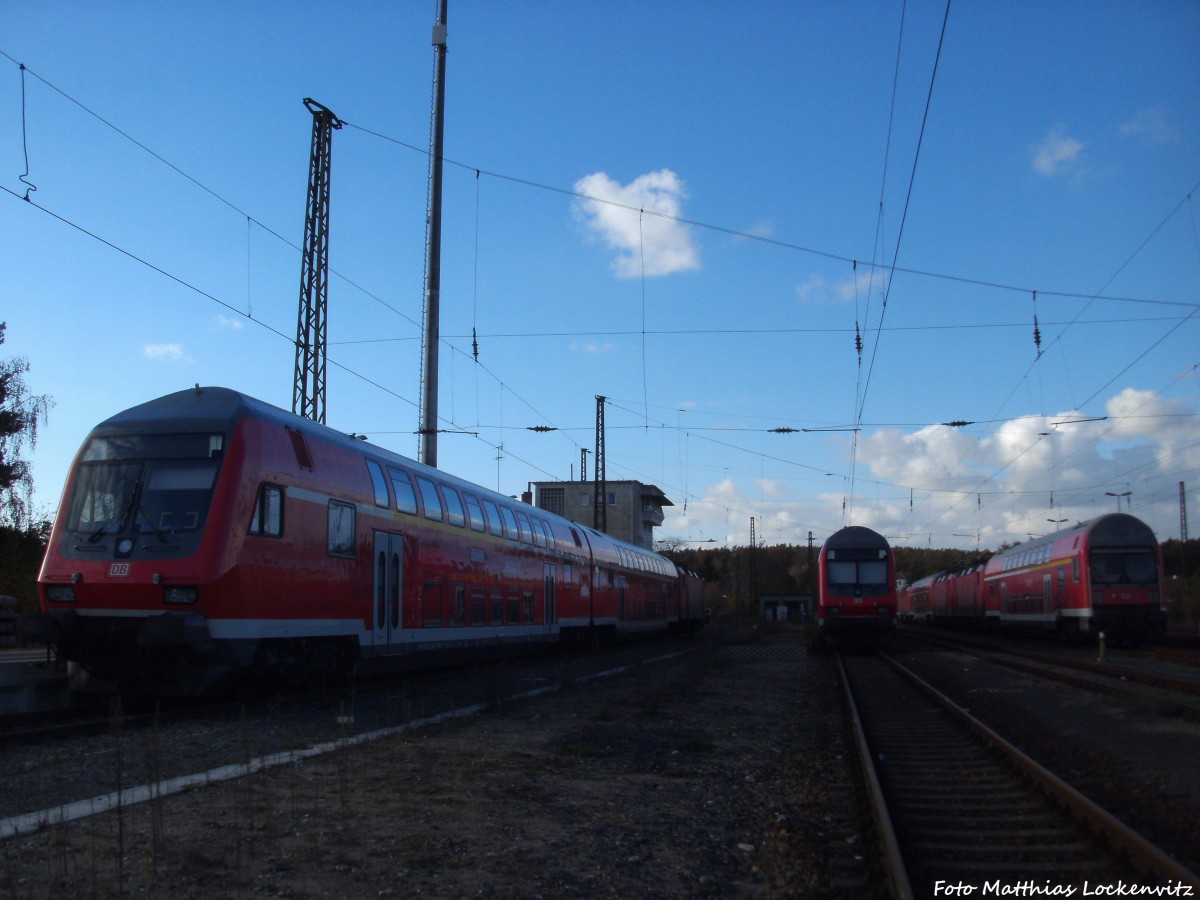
column 433, row 251
column 312, row 325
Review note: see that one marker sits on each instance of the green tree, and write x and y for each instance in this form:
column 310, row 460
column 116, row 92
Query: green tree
column 20, row 413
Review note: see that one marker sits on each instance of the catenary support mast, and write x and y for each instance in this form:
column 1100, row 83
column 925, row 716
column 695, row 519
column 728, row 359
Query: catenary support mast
column 312, row 325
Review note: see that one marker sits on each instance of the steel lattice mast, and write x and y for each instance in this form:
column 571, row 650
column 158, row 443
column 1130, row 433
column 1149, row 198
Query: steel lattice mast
column 308, row 387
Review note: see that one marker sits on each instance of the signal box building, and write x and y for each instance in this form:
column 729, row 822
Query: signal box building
column 633, row 509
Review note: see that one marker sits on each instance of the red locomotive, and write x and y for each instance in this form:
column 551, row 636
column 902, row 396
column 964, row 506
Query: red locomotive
column 1100, row 576
column 206, row 535
column 856, row 604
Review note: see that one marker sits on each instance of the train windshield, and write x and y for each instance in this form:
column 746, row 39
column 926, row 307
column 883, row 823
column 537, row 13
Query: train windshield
column 1123, row 567
column 157, row 484
column 848, row 574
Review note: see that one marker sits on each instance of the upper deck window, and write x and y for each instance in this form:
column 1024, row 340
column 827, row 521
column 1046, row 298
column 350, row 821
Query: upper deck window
column 429, row 496
column 406, row 497
column 495, row 524
column 454, row 507
column 378, row 483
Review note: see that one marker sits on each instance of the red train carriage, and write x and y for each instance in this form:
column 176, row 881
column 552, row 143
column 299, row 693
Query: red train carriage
column 206, row 534
column 917, row 602
column 856, row 588
column 1103, row 575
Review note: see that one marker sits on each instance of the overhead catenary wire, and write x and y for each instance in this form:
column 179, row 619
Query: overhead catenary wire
column 645, row 331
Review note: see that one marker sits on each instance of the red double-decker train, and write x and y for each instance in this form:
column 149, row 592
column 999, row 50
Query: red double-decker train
column 1100, row 576
column 206, row 535
column 856, row 591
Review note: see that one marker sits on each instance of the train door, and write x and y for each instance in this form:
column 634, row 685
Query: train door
column 1048, row 595
column 389, row 571
column 551, row 611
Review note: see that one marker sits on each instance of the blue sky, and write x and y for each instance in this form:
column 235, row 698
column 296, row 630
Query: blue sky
column 685, row 207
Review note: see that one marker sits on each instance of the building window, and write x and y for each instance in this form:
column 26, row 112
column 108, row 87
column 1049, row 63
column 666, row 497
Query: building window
column 553, row 500
column 585, row 499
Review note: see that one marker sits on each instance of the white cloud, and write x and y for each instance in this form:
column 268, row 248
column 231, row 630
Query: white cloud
column 1150, row 126
column 592, row 347
column 820, row 291
column 169, row 352
column 639, row 221
column 225, row 323
column 974, row 486
column 1057, row 153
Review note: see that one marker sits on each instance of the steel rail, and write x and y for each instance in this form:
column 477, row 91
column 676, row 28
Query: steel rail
column 893, row 859
column 1144, row 854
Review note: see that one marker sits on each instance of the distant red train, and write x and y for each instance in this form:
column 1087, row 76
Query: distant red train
column 206, row 536
column 1100, row 576
column 856, row 592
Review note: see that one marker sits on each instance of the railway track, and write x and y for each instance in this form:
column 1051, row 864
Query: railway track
column 960, row 810
column 1173, row 688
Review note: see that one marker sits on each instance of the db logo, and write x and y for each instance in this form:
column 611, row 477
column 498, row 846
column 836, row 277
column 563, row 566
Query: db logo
column 118, row 570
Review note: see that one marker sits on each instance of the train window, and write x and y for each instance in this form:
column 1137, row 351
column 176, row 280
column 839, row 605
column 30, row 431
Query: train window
column 341, row 528
column 458, row 614
column 526, row 531
column 568, row 573
column 497, row 611
column 514, row 608
column 495, row 523
column 510, row 523
column 268, row 511
column 378, row 483
column 539, row 534
column 454, row 507
column 474, row 512
column 429, row 496
column 431, row 604
column 478, row 607
column 575, row 535
column 406, row 497
column 527, row 606
column 174, row 498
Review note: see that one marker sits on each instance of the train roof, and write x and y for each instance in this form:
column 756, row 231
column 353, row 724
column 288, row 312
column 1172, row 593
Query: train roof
column 856, row 537
column 1108, row 530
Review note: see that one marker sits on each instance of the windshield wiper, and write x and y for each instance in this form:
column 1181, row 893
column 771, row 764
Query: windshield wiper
column 120, row 520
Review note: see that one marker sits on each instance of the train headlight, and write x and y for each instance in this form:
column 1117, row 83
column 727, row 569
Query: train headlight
column 177, row 596
column 883, row 609
column 60, row 593
column 833, row 610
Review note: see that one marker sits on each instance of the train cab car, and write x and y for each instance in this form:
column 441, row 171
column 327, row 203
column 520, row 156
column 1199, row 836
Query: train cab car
column 919, row 604
column 1103, row 575
column 856, row 604
column 206, row 536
